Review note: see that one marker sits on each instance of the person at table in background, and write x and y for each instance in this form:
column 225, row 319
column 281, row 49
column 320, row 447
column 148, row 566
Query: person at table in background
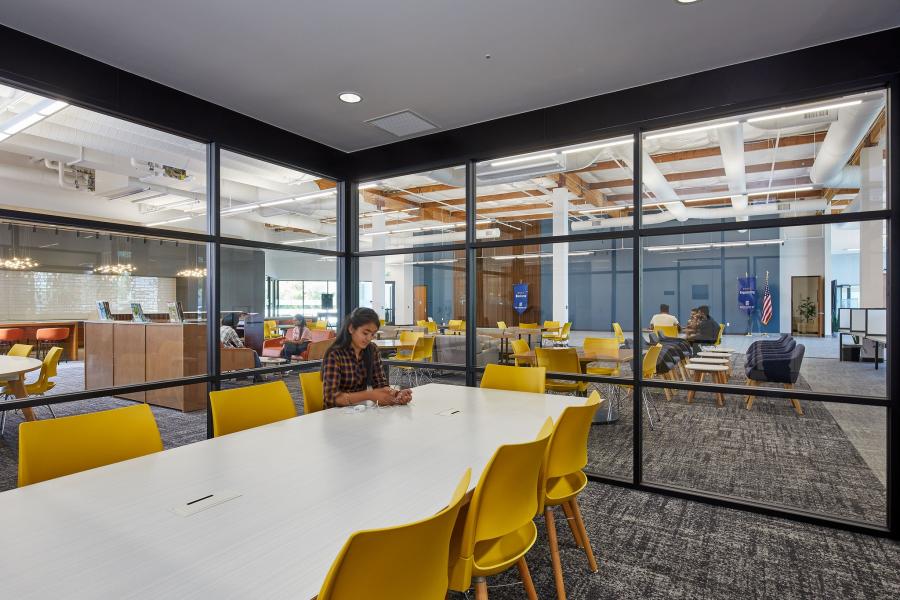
column 352, row 371
column 296, row 339
column 664, row 319
column 690, row 329
column 707, row 330
column 229, row 337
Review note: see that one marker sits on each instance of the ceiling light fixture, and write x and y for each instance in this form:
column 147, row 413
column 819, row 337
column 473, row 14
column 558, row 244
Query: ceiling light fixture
column 241, row 208
column 598, row 146
column 29, row 117
column 54, row 107
column 117, row 269
column 178, row 220
column 657, row 136
column 18, row 263
column 522, row 159
column 793, row 190
column 350, row 97
column 307, row 240
column 685, row 247
column 687, row 1
column 798, row 112
column 198, row 273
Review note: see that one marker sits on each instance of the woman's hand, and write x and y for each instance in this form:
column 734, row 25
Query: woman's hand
column 383, row 396
column 403, row 396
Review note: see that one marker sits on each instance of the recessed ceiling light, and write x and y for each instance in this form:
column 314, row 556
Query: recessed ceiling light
column 350, row 97
column 687, row 1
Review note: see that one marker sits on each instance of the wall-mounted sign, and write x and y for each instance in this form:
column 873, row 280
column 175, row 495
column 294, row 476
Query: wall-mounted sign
column 520, row 297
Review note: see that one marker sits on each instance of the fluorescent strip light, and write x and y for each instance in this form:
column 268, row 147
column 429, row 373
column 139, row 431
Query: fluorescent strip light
column 660, row 248
column 656, row 136
column 803, row 111
column 178, row 220
column 606, row 209
column 599, row 146
column 522, row 159
column 277, row 202
column 242, row 208
column 764, row 242
column 53, row 108
column 714, row 245
column 23, row 123
column 315, row 239
column 807, row 188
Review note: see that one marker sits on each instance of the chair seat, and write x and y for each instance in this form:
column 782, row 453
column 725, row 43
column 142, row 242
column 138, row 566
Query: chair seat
column 611, row 371
column 558, row 385
column 497, row 555
column 562, row 489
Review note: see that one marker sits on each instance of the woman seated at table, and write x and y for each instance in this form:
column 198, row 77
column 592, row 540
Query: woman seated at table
column 352, row 370
column 229, row 337
column 296, row 339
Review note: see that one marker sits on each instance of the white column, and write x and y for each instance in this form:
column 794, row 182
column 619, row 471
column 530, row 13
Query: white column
column 871, row 253
column 378, row 243
column 560, row 198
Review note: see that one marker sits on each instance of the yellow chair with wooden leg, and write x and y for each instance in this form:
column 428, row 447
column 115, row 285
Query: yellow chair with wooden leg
column 718, row 341
column 311, row 387
column 520, row 347
column 501, row 325
column 251, row 406
column 498, row 528
column 270, row 330
column 51, row 448
column 406, row 561
column 22, row 350
column 42, row 385
column 561, row 338
column 561, row 360
column 514, row 379
column 563, row 480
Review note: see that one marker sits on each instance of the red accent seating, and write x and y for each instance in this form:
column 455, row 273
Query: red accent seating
column 48, row 336
column 10, row 336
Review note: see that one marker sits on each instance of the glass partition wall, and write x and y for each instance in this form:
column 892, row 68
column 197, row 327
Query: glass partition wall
column 705, row 312
column 140, row 266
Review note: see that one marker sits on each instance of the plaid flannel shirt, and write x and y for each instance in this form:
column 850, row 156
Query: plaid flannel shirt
column 343, row 372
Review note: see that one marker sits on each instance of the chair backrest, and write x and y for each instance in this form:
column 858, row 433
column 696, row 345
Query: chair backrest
column 410, row 337
column 601, row 345
column 453, row 323
column 20, row 350
column 431, row 326
column 719, row 337
column 619, row 334
column 406, row 561
column 667, row 330
column 424, row 349
column 514, row 379
column 251, row 406
column 322, row 324
column 316, row 350
column 519, row 347
column 566, row 328
column 270, row 329
column 550, row 326
column 506, row 496
column 311, row 386
column 48, row 370
column 422, row 323
column 52, row 448
column 528, row 326
column 559, row 360
column 501, row 325
column 567, row 449
column 649, row 365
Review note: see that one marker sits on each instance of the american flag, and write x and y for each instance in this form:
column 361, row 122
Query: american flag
column 767, row 304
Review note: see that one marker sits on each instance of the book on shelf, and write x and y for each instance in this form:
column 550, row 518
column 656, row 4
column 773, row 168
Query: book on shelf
column 137, row 313
column 176, row 312
column 103, row 311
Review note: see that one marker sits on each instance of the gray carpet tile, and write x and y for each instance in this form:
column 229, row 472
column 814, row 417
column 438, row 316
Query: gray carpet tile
column 652, row 547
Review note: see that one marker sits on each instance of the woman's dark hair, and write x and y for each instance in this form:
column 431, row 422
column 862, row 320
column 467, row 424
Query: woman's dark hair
column 359, row 317
column 229, row 319
column 301, row 321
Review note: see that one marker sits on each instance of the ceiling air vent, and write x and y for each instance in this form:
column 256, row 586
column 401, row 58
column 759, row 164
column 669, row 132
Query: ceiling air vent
column 402, row 123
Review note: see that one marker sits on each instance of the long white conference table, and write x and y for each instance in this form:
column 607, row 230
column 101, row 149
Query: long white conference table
column 302, row 487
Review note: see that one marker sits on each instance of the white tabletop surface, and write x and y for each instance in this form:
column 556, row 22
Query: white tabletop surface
column 305, row 485
column 12, row 366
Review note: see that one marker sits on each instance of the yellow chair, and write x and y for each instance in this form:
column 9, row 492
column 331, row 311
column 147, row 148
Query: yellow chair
column 407, row 338
column 322, row 324
column 22, row 350
column 498, row 528
column 406, row 561
column 514, row 379
column 718, row 341
column 520, row 347
column 422, row 323
column 561, row 360
column 666, row 330
column 457, row 327
column 423, row 351
column 270, row 330
column 431, row 327
column 250, row 406
column 563, row 479
column 311, row 386
column 528, row 326
column 560, row 338
column 52, row 448
column 40, row 386
column 453, row 325
column 608, row 346
column 618, row 333
column 551, row 327
column 648, row 368
column 501, row 325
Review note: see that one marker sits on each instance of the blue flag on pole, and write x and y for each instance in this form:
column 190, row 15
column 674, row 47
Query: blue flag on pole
column 747, row 294
column 520, row 297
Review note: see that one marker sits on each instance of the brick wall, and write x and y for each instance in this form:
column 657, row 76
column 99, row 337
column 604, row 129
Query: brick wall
column 29, row 295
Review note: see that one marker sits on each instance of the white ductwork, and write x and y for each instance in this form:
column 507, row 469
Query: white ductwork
column 731, row 144
column 655, row 182
column 707, row 213
column 844, row 135
column 292, row 221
